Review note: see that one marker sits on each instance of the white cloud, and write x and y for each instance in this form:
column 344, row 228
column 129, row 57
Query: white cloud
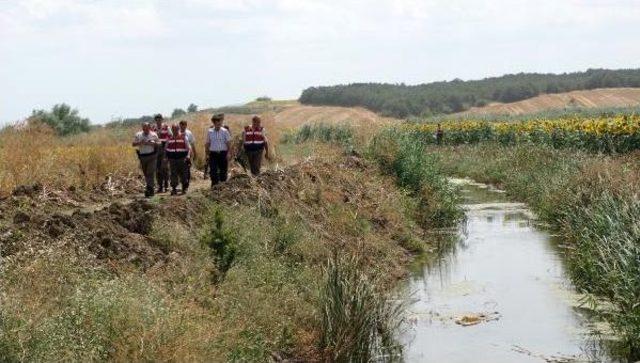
column 100, row 19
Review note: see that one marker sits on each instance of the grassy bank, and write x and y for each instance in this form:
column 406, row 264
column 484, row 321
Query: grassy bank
column 296, row 264
column 592, row 200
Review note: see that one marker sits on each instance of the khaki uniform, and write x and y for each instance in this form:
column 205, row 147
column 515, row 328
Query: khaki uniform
column 147, row 155
column 148, row 166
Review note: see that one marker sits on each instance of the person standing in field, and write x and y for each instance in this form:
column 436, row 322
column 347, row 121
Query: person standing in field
column 178, row 151
column 206, row 163
column 192, row 144
column 147, row 143
column 218, row 147
column 162, row 164
column 254, row 140
column 439, row 134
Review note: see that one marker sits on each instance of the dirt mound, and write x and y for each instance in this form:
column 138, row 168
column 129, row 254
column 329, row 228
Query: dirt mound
column 119, row 232
column 605, row 97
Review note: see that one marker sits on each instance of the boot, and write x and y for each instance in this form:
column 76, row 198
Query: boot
column 174, row 191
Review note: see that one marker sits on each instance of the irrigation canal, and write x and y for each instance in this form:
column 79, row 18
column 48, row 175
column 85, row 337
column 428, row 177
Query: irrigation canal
column 499, row 295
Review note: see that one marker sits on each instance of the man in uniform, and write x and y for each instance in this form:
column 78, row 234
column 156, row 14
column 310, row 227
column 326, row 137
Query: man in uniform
column 178, row 151
column 147, row 143
column 192, row 143
column 162, row 165
column 218, row 147
column 254, row 140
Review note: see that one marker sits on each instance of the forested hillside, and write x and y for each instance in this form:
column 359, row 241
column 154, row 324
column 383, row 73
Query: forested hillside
column 400, row 100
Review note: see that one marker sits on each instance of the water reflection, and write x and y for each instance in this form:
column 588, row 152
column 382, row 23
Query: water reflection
column 501, row 268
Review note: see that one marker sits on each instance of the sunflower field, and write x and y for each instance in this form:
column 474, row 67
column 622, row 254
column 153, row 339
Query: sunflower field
column 617, row 134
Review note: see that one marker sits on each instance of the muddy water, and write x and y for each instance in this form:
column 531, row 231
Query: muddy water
column 504, row 277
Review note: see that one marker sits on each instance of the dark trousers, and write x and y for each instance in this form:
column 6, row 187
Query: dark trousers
column 218, row 166
column 255, row 160
column 162, row 169
column 179, row 173
column 189, row 163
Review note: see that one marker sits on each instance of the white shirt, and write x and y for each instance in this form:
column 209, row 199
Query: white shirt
column 141, row 137
column 218, row 139
column 189, row 135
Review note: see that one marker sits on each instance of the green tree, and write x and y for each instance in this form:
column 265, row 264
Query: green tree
column 63, row 119
column 178, row 112
column 192, row 108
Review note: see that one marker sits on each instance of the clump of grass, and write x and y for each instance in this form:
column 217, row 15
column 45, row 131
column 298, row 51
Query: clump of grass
column 358, row 322
column 605, row 259
column 341, row 134
column 59, row 309
column 404, row 155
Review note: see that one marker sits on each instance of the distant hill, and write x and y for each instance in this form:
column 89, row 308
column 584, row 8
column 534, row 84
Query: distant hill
column 400, row 100
column 597, row 98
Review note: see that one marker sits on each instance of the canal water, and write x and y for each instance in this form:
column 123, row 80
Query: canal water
column 500, row 295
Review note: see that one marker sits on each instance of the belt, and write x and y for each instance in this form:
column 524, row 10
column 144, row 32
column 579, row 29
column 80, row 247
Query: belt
column 148, row 154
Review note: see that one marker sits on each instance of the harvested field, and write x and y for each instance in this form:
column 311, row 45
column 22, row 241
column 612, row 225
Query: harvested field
column 605, row 97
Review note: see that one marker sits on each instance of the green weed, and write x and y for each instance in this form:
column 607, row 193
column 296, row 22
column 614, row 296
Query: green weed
column 358, row 322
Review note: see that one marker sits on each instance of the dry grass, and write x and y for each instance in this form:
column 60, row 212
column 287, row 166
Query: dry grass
column 35, row 155
column 100, row 160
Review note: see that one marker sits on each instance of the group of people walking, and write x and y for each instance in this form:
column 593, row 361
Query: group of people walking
column 166, row 153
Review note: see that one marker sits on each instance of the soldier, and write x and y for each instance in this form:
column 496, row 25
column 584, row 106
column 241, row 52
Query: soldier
column 192, row 144
column 254, row 140
column 147, row 143
column 218, row 147
column 162, row 164
column 178, row 151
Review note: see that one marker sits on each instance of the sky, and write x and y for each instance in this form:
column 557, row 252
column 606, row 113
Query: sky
column 112, row 58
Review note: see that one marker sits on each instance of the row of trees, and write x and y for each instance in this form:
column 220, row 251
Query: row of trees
column 177, row 112
column 400, row 100
column 67, row 121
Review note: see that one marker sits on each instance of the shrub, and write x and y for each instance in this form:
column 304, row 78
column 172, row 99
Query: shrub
column 223, row 245
column 61, row 118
